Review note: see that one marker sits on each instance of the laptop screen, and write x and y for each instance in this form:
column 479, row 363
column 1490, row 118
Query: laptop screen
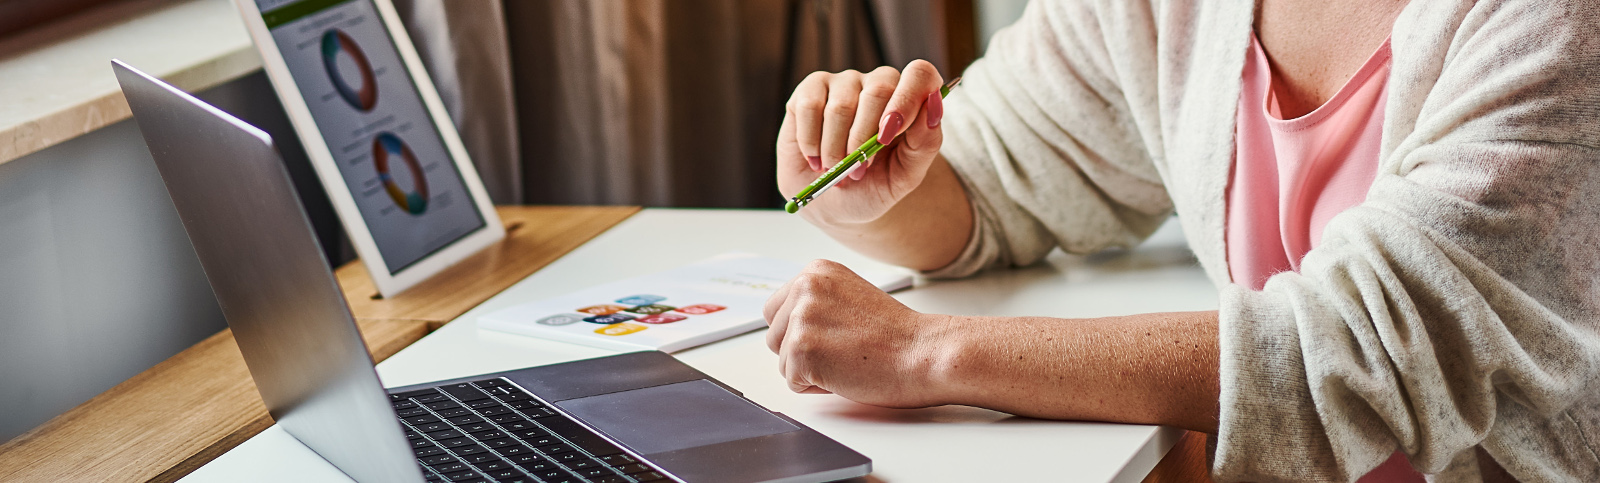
column 366, row 105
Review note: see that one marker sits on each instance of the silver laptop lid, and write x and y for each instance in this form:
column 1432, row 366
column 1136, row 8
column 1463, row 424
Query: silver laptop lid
column 267, row 271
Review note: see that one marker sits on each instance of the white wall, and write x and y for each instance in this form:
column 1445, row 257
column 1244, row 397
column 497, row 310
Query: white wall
column 98, row 280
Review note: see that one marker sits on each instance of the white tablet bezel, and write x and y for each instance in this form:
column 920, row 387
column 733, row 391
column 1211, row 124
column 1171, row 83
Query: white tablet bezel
column 333, row 182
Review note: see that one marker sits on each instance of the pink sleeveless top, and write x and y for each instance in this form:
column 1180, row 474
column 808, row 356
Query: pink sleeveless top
column 1290, row 176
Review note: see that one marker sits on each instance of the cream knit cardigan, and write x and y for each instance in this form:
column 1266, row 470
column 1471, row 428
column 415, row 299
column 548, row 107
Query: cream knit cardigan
column 1452, row 314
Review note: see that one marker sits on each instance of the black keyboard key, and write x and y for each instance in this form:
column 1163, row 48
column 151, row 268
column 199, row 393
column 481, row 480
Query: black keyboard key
column 451, row 443
column 505, row 473
column 507, row 418
column 476, row 427
column 555, row 449
column 500, row 443
column 421, row 443
column 431, row 477
column 618, row 459
column 554, row 474
column 580, row 436
column 464, row 392
column 461, row 475
column 470, row 449
column 403, row 405
column 465, row 420
column 413, row 412
column 491, row 383
column 453, row 412
column 524, row 404
column 581, row 463
column 515, row 396
column 412, row 435
column 443, row 405
column 446, row 434
column 437, row 459
column 529, row 433
column 494, row 410
column 430, row 450
column 647, row 477
column 450, row 467
column 596, row 472
column 545, row 440
column 486, row 403
column 568, row 457
column 431, row 427
column 401, row 396
column 421, row 420
column 522, row 425
column 514, row 450
column 538, row 466
column 491, row 434
column 632, row 468
column 611, row 479
column 495, row 464
column 431, row 398
column 525, row 458
column 537, row 413
column 480, row 458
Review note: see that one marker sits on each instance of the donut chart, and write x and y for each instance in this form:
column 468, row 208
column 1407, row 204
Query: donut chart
column 335, row 41
column 387, row 146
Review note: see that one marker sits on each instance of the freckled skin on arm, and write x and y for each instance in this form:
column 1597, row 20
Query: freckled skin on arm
column 1150, row 369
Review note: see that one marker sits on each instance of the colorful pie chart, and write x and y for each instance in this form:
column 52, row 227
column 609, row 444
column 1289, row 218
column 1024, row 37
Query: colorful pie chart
column 337, row 44
column 387, row 147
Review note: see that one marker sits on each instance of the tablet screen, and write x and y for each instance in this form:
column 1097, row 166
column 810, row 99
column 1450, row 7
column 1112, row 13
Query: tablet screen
column 365, row 104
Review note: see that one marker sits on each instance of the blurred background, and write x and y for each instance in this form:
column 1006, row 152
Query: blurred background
column 659, row 103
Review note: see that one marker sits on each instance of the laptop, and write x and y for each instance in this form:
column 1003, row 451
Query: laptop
column 634, row 417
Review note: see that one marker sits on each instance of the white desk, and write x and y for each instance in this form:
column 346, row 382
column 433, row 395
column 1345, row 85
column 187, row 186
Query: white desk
column 935, row 444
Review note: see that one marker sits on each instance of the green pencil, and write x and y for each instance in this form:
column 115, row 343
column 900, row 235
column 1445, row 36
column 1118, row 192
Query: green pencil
column 847, row 165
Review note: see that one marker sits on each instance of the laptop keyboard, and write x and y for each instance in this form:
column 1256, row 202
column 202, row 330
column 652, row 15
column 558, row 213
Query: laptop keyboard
column 491, row 430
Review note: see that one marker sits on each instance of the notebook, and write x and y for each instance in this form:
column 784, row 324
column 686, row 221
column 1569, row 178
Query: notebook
column 667, row 311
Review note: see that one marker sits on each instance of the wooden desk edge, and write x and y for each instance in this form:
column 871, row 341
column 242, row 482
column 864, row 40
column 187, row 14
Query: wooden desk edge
column 114, row 436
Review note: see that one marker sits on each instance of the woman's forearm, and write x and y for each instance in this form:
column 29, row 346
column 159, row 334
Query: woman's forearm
column 926, row 230
column 1149, row 369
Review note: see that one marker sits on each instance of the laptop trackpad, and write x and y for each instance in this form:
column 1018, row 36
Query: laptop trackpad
column 675, row 416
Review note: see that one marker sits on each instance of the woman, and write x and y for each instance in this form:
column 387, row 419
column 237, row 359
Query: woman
column 1398, row 202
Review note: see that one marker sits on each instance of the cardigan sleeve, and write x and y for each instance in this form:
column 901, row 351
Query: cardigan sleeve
column 1458, row 306
column 1044, row 136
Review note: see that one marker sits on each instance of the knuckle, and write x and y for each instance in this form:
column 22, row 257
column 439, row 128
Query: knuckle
column 817, row 76
column 841, row 109
column 809, row 104
column 807, row 283
column 880, row 91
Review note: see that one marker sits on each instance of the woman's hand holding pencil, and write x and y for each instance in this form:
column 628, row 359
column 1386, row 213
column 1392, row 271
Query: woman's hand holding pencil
column 830, row 115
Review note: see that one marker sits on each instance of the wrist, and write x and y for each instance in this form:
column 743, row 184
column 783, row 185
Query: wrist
column 934, row 363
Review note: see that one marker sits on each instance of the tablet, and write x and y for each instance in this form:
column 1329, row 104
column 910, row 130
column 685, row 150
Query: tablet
column 373, row 126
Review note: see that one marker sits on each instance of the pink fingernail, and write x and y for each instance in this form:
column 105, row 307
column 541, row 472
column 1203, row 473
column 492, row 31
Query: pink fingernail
column 859, row 173
column 935, row 110
column 890, row 125
column 815, row 162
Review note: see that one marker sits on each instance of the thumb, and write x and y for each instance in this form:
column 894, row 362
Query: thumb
column 918, row 80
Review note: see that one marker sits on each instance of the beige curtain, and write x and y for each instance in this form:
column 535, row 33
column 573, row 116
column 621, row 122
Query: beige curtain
column 648, row 102
column 463, row 44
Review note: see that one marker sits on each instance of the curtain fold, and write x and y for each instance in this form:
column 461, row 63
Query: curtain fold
column 463, row 45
